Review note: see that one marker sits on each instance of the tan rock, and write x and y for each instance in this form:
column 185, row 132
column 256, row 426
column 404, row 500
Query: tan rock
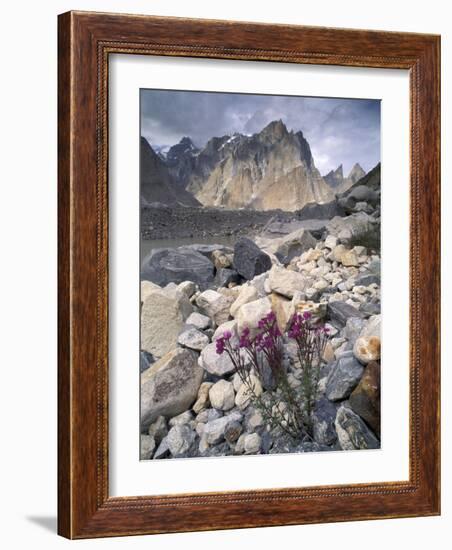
column 313, row 254
column 215, row 305
column 222, row 395
column 328, row 353
column 349, row 258
column 147, row 288
column 170, row 386
column 163, row 315
column 286, row 282
column 243, row 397
column 283, row 308
column 367, row 349
column 247, row 294
column 251, row 313
column 338, row 252
column 317, row 310
column 202, row 402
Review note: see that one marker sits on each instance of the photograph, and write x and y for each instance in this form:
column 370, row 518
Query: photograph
column 259, row 274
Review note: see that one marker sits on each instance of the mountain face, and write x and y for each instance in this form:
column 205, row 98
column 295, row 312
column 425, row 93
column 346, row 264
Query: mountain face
column 335, row 179
column 181, row 160
column 156, row 183
column 356, row 173
column 271, row 169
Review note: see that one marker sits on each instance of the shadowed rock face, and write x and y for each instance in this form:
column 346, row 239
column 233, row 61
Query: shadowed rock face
column 271, row 169
column 156, row 184
column 334, row 178
column 181, row 161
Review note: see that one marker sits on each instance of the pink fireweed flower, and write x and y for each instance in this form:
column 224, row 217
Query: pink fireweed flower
column 220, row 346
column 245, row 341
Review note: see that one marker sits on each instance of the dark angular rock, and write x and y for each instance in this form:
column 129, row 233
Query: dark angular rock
column 146, row 360
column 365, row 398
column 353, row 328
column 266, row 442
column 370, row 308
column 249, row 259
column 294, row 244
column 366, row 280
column 224, row 276
column 339, row 312
column 323, row 417
column 168, row 265
column 162, row 450
column 344, row 377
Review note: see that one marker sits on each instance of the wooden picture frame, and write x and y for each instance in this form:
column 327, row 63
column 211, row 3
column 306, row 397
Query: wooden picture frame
column 86, row 40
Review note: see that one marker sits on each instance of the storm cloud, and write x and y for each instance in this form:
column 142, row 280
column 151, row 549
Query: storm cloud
column 340, row 131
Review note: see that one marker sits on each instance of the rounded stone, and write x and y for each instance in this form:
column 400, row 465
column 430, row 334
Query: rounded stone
column 222, row 395
column 367, row 349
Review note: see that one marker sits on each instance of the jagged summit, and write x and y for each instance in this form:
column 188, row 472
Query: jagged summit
column 270, row 169
column 274, row 131
column 273, row 168
column 335, row 178
column 356, row 173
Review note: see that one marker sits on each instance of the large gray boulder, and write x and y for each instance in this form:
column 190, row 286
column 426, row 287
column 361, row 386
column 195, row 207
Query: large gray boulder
column 170, row 386
column 176, row 265
column 276, row 228
column 363, row 193
column 294, row 244
column 286, row 282
column 163, row 315
column 249, row 259
column 355, row 225
column 352, row 431
column 343, row 377
column 318, row 211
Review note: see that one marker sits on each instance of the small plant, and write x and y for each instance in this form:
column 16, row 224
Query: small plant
column 288, row 406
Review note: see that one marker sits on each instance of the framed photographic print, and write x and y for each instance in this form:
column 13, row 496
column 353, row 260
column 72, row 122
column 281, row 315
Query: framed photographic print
column 248, row 275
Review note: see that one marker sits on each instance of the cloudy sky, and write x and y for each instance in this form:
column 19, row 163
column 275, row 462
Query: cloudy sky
column 340, row 131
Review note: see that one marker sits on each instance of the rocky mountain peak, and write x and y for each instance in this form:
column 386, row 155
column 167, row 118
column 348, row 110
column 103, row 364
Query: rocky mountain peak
column 305, row 149
column 356, row 173
column 334, row 178
column 271, row 169
column 183, row 148
column 274, row 131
